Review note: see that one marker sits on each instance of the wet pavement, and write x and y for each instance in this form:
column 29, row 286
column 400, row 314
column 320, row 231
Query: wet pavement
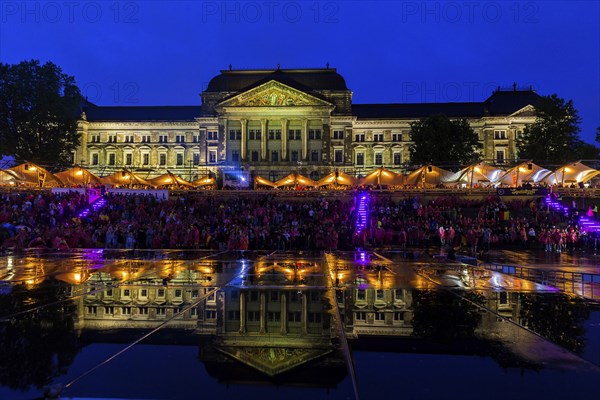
column 183, row 324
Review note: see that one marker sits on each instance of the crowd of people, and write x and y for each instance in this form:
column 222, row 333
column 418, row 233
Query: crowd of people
column 31, row 219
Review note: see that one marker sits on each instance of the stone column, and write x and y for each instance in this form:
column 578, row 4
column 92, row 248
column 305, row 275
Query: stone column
column 242, row 312
column 82, row 130
column 283, row 318
column 244, row 123
column 326, row 156
column 304, row 313
column 263, row 139
column 304, row 139
column 263, row 313
column 284, row 139
column 223, row 147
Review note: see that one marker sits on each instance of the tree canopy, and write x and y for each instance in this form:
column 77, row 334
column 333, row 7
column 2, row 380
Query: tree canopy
column 439, row 140
column 39, row 109
column 554, row 136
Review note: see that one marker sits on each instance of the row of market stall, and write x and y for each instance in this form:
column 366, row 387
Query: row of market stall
column 32, row 175
column 476, row 175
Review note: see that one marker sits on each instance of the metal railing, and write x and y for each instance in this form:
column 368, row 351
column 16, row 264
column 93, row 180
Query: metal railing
column 584, row 284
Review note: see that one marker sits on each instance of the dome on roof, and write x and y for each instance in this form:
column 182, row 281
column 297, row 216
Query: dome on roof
column 302, row 79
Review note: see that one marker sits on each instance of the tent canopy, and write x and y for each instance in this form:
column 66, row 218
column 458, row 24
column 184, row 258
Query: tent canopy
column 337, row 178
column 205, row 181
column 524, row 172
column 125, row 178
column 571, row 173
column 478, row 173
column 382, row 176
column 34, row 175
column 259, row 180
column 77, row 176
column 295, row 179
column 428, row 175
column 170, row 179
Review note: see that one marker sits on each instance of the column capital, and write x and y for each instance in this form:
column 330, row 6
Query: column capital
column 243, row 121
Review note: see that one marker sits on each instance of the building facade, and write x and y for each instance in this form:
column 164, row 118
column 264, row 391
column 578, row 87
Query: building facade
column 273, row 122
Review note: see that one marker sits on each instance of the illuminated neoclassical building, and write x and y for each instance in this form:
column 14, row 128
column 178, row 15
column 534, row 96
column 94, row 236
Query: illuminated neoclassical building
column 276, row 121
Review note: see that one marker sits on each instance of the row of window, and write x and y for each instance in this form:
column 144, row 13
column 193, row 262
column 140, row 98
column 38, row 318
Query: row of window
column 377, row 137
column 110, row 310
column 145, row 159
column 148, row 138
column 378, row 316
column 361, row 294
column 274, row 134
column 275, row 316
column 378, row 159
column 160, row 293
column 274, row 296
column 314, row 156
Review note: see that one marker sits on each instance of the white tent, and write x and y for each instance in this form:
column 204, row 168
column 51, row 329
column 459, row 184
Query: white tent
column 527, row 172
column 571, row 173
column 480, row 173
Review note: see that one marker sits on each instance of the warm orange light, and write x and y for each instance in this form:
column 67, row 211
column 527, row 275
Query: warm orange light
column 80, row 172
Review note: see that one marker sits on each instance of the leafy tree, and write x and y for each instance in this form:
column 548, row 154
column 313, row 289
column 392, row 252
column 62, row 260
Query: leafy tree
column 586, row 151
column 39, row 109
column 554, row 136
column 439, row 140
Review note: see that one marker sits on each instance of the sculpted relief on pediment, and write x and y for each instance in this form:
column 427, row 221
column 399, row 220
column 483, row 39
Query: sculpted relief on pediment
column 273, row 94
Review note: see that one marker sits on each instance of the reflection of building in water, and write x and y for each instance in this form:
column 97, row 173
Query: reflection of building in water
column 505, row 304
column 378, row 312
column 273, row 329
column 273, row 322
column 146, row 304
column 278, row 320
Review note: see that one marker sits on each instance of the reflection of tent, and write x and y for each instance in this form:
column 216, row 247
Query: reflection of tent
column 206, row 181
column 295, row 179
column 477, row 174
column 337, row 179
column 34, row 175
column 571, row 173
column 524, row 172
column 125, row 178
column 169, row 179
column 382, row 176
column 77, row 176
column 260, row 181
column 428, row 175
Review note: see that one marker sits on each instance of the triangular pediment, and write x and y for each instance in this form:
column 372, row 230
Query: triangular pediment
column 273, row 94
column 527, row 111
column 273, row 360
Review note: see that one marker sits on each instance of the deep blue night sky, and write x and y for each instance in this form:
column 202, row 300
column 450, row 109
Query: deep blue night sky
column 164, row 53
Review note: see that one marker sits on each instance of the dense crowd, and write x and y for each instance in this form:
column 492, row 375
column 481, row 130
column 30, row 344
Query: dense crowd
column 267, row 221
